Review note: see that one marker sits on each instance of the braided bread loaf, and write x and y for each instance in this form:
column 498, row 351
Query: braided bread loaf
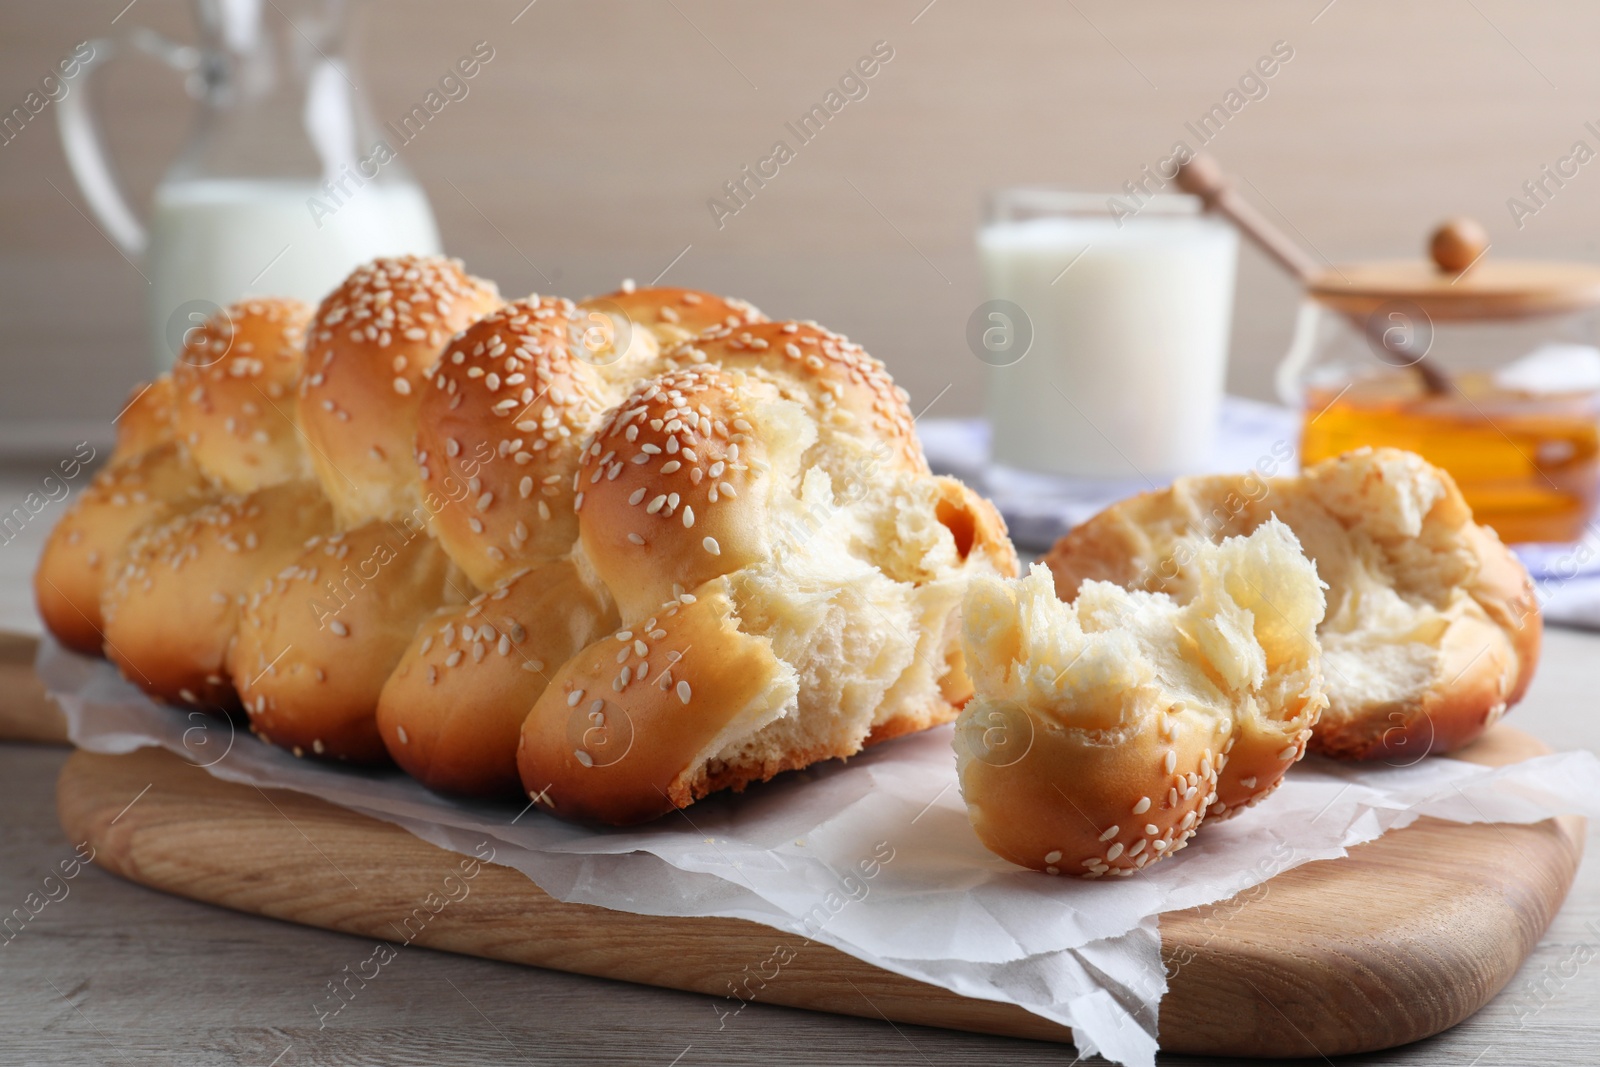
column 487, row 539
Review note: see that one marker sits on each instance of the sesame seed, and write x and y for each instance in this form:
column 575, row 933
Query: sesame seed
column 1248, row 783
column 402, row 387
column 1171, row 763
column 683, row 692
column 1289, row 752
column 1053, row 856
column 640, row 648
column 656, row 504
column 339, row 628
column 400, row 731
column 525, row 488
column 1151, row 829
column 1114, row 851
column 1142, row 807
column 582, row 757
column 573, row 698
column 688, row 518
column 1138, row 847
column 1110, row 833
column 453, row 658
column 711, row 546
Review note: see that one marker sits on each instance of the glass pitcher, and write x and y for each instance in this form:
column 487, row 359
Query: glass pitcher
column 285, row 183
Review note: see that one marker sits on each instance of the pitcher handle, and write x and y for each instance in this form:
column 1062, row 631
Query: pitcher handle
column 85, row 149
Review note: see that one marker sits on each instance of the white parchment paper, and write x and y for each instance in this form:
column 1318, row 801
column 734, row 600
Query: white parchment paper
column 875, row 857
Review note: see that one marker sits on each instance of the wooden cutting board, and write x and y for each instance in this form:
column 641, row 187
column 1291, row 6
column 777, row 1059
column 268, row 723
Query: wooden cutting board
column 26, row 712
column 1403, row 938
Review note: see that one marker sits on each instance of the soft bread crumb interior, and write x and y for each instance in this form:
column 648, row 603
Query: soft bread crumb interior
column 1397, row 579
column 859, row 597
column 1243, row 644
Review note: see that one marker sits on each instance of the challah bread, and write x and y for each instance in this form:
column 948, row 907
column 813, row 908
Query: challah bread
column 147, row 420
column 80, row 554
column 234, row 398
column 1106, row 730
column 502, row 421
column 318, row 639
column 802, row 617
column 482, row 467
column 172, row 609
column 1432, row 628
column 367, row 351
column 451, row 713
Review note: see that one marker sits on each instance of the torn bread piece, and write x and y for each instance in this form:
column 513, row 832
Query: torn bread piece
column 1432, row 629
column 1104, row 731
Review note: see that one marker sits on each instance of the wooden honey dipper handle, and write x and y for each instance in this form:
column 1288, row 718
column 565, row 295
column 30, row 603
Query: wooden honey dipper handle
column 1202, row 177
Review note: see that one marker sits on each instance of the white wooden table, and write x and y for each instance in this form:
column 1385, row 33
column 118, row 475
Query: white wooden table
column 113, row 973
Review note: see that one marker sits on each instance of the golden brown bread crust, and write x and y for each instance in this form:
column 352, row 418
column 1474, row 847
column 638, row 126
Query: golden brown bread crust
column 669, row 494
column 172, row 608
column 625, row 723
column 1129, row 806
column 234, row 392
column 1491, row 627
column 503, row 419
column 671, row 315
column 451, row 714
column 318, row 639
column 847, row 391
column 367, row 351
column 147, row 419
column 82, row 549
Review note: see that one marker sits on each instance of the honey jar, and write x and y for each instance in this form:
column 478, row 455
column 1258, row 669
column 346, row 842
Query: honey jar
column 1489, row 369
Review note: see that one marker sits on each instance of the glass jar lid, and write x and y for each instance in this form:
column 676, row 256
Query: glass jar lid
column 1459, row 282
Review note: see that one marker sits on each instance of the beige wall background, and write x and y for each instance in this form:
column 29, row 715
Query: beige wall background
column 593, row 141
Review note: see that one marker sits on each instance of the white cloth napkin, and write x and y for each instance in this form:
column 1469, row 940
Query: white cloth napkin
column 1040, row 508
column 875, row 857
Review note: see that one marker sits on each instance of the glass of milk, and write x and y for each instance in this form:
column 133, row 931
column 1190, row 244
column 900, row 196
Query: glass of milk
column 1106, row 332
column 285, row 183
